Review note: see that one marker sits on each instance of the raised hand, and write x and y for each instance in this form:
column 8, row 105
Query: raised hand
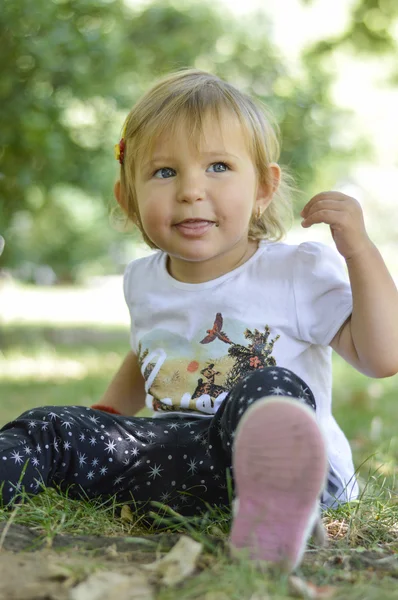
column 344, row 216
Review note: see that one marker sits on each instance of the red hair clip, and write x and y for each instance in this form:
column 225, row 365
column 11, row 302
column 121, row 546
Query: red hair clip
column 121, row 146
column 119, row 150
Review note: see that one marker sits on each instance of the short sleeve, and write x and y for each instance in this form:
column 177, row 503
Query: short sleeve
column 128, row 291
column 322, row 292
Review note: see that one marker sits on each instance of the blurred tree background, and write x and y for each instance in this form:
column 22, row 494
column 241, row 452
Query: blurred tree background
column 70, row 71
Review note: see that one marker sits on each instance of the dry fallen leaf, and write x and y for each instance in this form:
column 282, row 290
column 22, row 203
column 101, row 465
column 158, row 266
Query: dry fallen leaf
column 126, row 514
column 178, row 564
column 305, row 589
column 337, row 529
column 111, row 551
column 299, row 588
column 107, row 585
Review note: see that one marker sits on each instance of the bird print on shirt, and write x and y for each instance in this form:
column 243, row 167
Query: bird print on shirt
column 215, row 332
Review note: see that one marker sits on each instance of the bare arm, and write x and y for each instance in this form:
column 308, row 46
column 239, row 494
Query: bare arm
column 369, row 339
column 126, row 391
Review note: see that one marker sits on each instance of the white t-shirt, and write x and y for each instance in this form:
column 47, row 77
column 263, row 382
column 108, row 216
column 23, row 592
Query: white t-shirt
column 195, row 340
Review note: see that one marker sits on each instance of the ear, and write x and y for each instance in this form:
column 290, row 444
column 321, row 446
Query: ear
column 119, row 195
column 266, row 192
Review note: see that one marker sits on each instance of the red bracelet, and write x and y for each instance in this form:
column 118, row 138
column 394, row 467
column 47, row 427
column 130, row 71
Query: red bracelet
column 107, row 409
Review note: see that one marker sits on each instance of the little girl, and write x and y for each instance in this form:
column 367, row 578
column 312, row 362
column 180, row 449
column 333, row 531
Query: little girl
column 231, row 333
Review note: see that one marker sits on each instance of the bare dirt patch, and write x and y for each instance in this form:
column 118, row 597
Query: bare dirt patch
column 78, row 567
column 30, row 569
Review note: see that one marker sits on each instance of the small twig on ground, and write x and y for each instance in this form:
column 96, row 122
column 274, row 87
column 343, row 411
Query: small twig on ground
column 8, row 525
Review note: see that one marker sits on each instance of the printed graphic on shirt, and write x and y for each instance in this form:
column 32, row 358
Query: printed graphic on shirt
column 196, row 375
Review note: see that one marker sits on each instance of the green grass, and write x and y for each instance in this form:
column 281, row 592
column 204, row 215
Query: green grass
column 40, row 365
column 359, row 562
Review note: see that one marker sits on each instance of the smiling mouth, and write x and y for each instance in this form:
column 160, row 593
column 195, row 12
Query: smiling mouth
column 196, row 222
column 195, row 227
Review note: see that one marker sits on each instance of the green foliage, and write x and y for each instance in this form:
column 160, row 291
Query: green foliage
column 70, row 71
column 370, row 29
column 51, row 60
column 57, row 64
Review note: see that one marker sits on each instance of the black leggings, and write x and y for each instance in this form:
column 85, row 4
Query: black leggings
column 175, row 460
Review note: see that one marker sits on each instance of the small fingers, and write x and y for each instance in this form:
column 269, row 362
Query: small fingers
column 321, row 205
column 330, row 217
column 333, row 197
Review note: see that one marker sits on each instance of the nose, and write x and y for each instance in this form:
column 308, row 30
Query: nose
column 190, row 188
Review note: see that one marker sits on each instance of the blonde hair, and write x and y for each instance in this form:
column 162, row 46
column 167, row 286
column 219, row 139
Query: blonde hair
column 190, row 95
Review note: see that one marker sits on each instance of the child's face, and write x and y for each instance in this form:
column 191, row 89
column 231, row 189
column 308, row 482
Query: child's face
column 196, row 203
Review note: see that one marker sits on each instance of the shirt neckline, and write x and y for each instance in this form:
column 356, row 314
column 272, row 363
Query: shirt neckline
column 194, row 287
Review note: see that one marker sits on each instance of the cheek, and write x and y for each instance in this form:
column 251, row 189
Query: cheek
column 239, row 203
column 152, row 214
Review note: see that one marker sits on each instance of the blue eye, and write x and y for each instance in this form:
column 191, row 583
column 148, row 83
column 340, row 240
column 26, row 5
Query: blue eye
column 164, row 173
column 216, row 167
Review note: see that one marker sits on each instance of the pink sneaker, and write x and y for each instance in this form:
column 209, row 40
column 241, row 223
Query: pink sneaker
column 280, row 469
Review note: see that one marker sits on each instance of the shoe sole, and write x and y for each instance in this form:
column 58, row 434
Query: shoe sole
column 280, row 468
